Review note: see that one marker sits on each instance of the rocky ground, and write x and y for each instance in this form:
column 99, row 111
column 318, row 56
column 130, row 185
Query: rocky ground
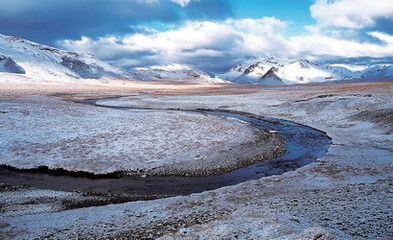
column 345, row 195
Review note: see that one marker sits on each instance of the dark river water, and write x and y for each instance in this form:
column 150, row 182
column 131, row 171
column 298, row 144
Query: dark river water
column 303, row 146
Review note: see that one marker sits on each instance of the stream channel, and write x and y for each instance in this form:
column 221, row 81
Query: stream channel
column 303, row 146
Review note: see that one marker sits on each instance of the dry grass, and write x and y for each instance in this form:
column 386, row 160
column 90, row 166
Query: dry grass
column 123, row 87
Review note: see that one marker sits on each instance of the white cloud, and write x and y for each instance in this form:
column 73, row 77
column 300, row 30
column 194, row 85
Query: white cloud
column 211, row 38
column 351, row 13
column 106, row 47
column 319, row 45
column 214, row 46
column 383, row 37
column 190, row 43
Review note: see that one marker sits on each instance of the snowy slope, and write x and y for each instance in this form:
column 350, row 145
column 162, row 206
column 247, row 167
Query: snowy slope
column 372, row 71
column 42, row 62
column 378, row 71
column 276, row 71
column 189, row 76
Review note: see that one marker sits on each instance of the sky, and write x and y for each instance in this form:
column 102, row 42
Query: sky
column 207, row 35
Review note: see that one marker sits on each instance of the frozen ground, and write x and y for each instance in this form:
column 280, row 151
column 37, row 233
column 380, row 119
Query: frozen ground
column 345, row 195
column 42, row 131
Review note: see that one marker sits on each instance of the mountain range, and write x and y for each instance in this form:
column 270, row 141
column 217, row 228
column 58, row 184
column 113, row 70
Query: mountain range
column 30, row 60
column 279, row 71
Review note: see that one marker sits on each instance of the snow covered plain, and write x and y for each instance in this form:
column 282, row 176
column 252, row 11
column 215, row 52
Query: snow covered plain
column 42, row 131
column 345, row 195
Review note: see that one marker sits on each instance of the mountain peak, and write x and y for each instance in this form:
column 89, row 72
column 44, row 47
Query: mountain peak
column 271, row 74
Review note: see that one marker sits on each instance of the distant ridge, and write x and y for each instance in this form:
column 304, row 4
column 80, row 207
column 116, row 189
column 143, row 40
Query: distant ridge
column 190, row 76
column 277, row 71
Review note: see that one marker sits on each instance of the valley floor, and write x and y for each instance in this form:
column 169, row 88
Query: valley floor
column 43, row 131
column 346, row 194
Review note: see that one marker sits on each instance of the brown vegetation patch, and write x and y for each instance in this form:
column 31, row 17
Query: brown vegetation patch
column 382, row 117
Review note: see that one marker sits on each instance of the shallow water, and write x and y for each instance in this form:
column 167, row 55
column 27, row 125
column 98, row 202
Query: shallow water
column 303, row 146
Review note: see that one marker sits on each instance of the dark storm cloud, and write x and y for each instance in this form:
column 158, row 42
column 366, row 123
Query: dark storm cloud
column 47, row 21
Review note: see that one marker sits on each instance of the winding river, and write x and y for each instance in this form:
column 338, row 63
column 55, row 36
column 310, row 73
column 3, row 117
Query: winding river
column 303, row 145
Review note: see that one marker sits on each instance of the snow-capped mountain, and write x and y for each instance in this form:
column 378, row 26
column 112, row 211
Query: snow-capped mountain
column 38, row 61
column 277, row 71
column 189, row 76
column 30, row 60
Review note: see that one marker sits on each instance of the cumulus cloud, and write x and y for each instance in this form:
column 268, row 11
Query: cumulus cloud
column 354, row 14
column 320, row 46
column 206, row 45
column 217, row 46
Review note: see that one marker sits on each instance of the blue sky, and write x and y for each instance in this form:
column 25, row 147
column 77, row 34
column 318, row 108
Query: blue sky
column 209, row 35
column 295, row 11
